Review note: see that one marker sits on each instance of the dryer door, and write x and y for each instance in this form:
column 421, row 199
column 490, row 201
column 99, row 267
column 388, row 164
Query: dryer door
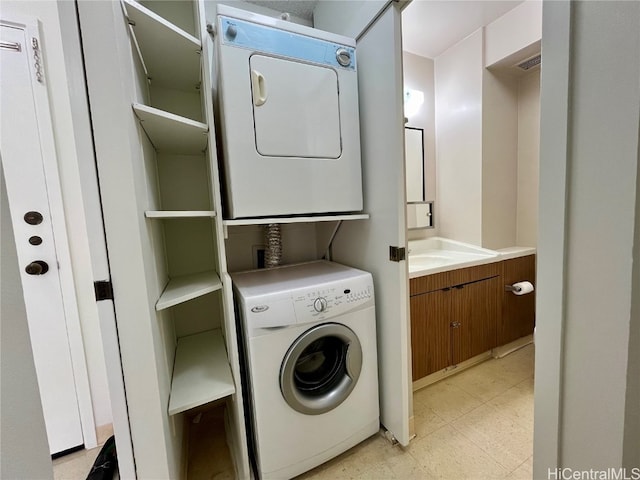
column 321, row 368
column 295, row 108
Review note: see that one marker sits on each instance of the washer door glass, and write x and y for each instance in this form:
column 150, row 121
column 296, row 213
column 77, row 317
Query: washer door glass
column 321, row 368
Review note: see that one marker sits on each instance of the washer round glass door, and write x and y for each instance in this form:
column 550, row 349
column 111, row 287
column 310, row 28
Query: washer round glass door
column 321, row 368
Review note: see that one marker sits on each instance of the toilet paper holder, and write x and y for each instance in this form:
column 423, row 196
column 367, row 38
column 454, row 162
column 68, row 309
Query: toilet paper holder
column 520, row 288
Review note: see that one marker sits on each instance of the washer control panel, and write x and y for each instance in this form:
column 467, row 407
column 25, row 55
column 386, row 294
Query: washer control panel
column 328, row 301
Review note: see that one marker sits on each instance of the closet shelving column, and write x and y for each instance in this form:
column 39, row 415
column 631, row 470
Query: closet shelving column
column 172, row 60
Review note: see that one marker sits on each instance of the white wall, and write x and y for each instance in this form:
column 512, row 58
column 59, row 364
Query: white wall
column 586, row 405
column 516, row 33
column 458, row 99
column 528, row 158
column 24, row 452
column 210, row 6
column 499, row 159
column 299, row 244
column 63, row 91
column 487, row 132
column 347, row 17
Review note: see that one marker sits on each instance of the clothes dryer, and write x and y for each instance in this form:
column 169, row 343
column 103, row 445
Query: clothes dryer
column 286, row 100
column 310, row 363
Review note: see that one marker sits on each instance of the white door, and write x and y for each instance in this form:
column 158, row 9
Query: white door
column 21, row 151
column 295, row 108
column 365, row 244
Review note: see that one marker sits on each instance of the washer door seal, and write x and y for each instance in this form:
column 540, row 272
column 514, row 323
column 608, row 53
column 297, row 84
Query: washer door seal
column 321, row 368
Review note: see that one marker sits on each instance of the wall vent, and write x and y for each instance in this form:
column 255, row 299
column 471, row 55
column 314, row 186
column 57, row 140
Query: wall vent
column 530, row 63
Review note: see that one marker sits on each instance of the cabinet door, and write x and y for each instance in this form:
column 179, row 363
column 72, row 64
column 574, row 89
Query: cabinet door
column 518, row 311
column 475, row 309
column 430, row 332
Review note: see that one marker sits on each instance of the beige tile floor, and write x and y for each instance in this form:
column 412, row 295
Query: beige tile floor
column 475, row 425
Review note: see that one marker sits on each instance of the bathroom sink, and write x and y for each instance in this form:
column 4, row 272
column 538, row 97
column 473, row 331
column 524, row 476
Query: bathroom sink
column 439, row 254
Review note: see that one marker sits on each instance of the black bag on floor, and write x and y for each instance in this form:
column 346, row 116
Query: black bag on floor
column 106, row 462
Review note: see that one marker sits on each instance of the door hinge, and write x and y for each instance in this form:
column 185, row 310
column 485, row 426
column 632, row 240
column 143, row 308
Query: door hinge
column 397, row 254
column 103, row 290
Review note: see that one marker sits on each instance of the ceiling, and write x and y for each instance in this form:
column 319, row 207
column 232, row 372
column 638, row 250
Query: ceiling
column 429, row 27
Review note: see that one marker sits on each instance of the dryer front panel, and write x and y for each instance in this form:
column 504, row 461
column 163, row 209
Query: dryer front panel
column 295, row 108
column 288, row 121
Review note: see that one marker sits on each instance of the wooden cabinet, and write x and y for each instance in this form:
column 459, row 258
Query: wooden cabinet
column 518, row 312
column 430, row 332
column 454, row 316
column 462, row 313
column 475, row 310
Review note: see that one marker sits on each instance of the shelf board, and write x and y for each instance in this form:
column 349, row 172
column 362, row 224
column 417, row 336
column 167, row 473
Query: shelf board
column 201, row 372
column 170, row 55
column 172, row 133
column 187, row 287
column 301, row 219
column 167, row 214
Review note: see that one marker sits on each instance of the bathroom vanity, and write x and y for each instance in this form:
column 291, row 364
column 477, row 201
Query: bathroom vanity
column 460, row 308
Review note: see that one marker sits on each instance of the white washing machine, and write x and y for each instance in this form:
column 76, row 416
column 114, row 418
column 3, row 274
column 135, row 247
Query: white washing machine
column 310, row 363
column 286, row 100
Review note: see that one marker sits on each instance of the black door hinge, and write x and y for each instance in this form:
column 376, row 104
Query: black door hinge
column 397, row 254
column 103, row 289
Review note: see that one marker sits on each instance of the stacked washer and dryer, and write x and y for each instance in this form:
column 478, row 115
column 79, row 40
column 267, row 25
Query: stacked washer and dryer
column 286, row 102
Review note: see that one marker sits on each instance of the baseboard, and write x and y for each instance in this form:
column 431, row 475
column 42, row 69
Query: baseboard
column 511, row 347
column 452, row 370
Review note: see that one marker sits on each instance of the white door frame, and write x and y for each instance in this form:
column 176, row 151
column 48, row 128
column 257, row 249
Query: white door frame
column 47, row 143
column 550, row 303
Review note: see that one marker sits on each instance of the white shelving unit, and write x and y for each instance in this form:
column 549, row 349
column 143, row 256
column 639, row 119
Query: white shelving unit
column 156, row 125
column 187, row 287
column 170, row 55
column 172, row 61
column 168, row 214
column 172, row 133
column 297, row 219
column 201, row 373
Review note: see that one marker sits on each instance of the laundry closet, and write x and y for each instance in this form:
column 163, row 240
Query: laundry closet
column 175, row 232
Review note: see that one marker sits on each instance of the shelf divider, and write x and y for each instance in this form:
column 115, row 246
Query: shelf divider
column 201, row 372
column 168, row 214
column 170, row 55
column 300, row 219
column 172, row 133
column 187, row 287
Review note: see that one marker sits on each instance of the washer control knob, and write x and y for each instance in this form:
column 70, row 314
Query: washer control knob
column 231, row 32
column 343, row 57
column 320, row 304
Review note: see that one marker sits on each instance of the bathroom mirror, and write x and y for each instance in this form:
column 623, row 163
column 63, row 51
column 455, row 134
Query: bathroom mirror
column 414, row 163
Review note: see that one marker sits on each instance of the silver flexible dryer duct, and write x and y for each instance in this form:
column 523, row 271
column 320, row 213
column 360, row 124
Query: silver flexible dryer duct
column 273, row 241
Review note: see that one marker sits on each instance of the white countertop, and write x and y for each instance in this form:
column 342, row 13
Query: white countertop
column 436, row 255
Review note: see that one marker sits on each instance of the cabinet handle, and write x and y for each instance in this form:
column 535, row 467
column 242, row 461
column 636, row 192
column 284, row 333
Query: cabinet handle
column 455, row 324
